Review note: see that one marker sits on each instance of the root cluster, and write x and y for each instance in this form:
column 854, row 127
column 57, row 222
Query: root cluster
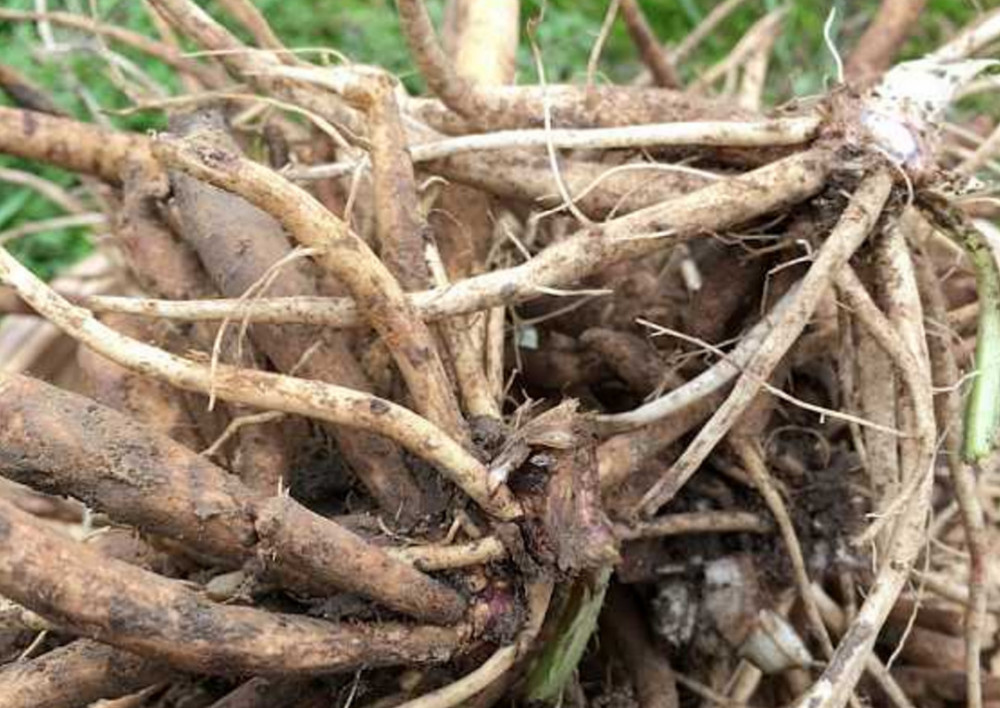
column 383, row 400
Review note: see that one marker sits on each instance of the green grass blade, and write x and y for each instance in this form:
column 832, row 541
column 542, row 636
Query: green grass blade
column 982, row 412
column 982, row 407
column 10, row 207
column 559, row 658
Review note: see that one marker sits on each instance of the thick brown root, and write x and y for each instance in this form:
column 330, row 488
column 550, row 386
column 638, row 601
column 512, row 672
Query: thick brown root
column 142, row 612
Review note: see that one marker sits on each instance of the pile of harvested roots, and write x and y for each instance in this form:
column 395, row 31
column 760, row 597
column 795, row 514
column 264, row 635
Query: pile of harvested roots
column 608, row 395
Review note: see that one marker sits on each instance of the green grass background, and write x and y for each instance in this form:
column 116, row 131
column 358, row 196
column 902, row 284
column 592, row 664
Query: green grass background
column 367, row 31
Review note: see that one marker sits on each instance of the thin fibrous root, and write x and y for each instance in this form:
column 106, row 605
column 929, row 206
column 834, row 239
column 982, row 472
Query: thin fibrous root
column 948, row 407
column 763, row 133
column 696, row 522
column 706, row 383
column 857, row 221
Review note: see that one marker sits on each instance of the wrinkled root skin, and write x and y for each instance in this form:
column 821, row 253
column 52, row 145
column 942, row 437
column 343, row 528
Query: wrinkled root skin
column 115, row 603
column 65, row 444
column 62, row 443
column 77, row 674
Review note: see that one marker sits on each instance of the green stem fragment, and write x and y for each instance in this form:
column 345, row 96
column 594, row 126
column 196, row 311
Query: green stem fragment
column 560, row 656
column 982, row 407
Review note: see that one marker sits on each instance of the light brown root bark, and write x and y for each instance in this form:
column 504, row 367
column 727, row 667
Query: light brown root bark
column 483, row 108
column 877, row 392
column 716, row 207
column 61, row 442
column 76, row 675
column 165, row 266
column 293, row 537
column 485, row 39
column 399, row 227
column 73, row 146
column 417, row 209
column 402, row 232
column 457, row 92
column 57, row 441
column 576, row 107
column 153, row 403
column 694, row 522
column 138, row 611
column 483, row 44
column 598, row 190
